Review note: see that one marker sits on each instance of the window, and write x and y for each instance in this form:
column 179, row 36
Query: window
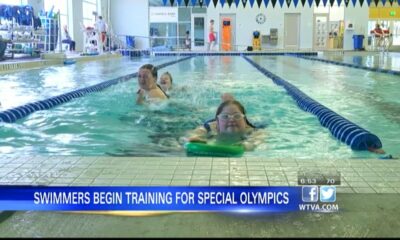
column 61, row 6
column 89, row 7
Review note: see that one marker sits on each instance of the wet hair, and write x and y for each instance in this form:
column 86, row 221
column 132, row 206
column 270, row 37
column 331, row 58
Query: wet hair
column 152, row 69
column 169, row 75
column 236, row 103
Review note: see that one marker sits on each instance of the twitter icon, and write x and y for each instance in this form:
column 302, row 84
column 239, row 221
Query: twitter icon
column 327, row 194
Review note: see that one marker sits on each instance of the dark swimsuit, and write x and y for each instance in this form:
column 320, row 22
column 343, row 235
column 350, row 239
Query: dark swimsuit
column 162, row 91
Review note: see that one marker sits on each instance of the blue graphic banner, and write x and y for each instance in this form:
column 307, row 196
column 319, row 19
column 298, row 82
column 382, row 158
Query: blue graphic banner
column 260, row 199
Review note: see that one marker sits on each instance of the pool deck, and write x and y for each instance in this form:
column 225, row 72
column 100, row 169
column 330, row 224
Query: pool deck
column 357, row 175
column 51, row 60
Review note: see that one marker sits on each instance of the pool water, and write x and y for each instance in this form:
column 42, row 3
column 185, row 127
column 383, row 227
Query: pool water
column 110, row 123
column 389, row 61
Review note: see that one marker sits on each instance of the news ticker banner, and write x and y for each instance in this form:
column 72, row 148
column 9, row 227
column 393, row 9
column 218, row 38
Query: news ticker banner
column 222, row 199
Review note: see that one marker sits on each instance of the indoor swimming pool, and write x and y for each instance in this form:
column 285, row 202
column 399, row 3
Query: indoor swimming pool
column 109, row 123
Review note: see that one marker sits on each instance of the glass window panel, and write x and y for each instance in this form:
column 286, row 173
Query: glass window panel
column 199, row 26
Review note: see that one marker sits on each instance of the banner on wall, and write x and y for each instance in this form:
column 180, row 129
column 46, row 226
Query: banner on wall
column 281, row 2
column 163, row 14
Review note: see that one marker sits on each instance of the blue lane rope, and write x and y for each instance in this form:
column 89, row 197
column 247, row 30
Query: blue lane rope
column 14, row 114
column 344, row 130
column 380, row 70
column 234, row 54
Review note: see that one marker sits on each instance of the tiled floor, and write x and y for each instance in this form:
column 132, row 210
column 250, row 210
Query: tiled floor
column 357, row 176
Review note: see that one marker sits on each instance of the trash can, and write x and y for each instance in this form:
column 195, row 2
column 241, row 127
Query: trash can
column 358, row 42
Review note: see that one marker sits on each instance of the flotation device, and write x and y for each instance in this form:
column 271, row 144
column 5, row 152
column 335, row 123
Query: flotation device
column 213, row 150
column 69, row 61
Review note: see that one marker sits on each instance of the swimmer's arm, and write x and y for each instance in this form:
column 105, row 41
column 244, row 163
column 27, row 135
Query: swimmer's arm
column 255, row 139
column 376, row 150
column 198, row 135
column 140, row 96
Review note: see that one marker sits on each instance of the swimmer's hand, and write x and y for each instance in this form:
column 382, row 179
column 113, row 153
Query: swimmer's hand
column 196, row 139
column 140, row 92
column 376, row 150
column 140, row 96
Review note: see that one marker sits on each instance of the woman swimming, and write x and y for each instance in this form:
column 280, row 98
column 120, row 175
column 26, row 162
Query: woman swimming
column 230, row 127
column 149, row 89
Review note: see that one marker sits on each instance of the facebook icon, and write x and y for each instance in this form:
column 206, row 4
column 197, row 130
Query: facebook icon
column 310, row 193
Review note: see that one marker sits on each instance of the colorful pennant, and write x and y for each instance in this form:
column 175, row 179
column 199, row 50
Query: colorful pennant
column 251, row 3
column 281, row 2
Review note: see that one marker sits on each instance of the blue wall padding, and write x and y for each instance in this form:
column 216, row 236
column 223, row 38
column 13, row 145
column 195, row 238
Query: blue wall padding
column 344, row 130
column 14, row 114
